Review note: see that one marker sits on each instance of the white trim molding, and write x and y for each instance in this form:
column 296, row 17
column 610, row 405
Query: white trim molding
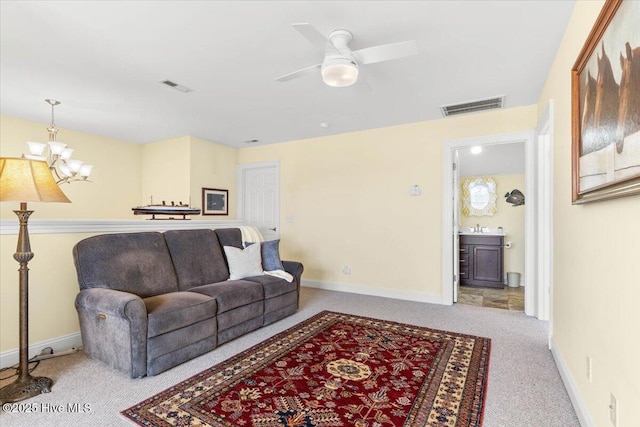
column 66, row 342
column 376, row 292
column 56, row 226
column 570, row 385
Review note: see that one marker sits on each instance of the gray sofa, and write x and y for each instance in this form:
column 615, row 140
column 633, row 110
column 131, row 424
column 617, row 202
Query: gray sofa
column 150, row 301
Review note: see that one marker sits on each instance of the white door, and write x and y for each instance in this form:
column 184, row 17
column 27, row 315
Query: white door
column 259, row 197
column 456, row 227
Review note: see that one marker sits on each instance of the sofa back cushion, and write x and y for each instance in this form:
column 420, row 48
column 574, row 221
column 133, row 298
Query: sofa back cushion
column 197, row 257
column 230, row 237
column 138, row 263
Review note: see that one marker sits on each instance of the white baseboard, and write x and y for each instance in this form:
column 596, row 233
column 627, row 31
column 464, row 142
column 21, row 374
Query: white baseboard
column 572, row 389
column 377, row 292
column 66, row 342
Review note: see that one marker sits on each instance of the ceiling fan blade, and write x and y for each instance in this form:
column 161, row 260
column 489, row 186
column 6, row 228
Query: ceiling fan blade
column 385, row 52
column 364, row 83
column 313, row 35
column 299, row 73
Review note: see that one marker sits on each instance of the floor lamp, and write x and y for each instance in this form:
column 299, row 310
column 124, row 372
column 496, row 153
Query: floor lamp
column 23, row 180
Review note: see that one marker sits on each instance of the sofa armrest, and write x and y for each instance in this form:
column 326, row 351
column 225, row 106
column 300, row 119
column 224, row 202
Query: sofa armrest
column 294, row 268
column 114, row 329
column 112, row 302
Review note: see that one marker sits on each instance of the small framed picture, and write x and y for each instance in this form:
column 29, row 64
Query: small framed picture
column 215, row 201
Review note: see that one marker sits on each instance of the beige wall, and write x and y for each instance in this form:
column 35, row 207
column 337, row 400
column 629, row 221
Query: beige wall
column 177, row 170
column 509, row 217
column 166, row 167
column 52, row 289
column 349, row 198
column 596, row 291
column 212, row 166
column 115, row 180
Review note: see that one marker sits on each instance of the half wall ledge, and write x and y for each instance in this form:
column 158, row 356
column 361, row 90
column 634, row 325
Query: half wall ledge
column 58, row 226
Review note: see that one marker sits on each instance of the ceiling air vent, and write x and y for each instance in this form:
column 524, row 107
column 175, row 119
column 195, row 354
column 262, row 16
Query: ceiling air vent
column 473, row 106
column 176, row 86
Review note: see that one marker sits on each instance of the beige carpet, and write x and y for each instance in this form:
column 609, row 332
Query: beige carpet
column 524, row 388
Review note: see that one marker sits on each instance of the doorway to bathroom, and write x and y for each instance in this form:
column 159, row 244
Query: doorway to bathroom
column 490, row 224
column 537, row 230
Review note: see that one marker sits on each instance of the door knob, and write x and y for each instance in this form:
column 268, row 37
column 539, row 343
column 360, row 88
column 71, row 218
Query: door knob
column 273, row 229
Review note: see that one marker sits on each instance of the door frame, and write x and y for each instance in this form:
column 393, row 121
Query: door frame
column 240, row 173
column 456, row 224
column 448, row 204
column 544, row 149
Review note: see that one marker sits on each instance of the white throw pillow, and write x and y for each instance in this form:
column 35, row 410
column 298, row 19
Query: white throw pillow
column 244, row 262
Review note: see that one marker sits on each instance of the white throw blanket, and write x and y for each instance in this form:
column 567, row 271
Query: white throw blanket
column 281, row 274
column 251, row 234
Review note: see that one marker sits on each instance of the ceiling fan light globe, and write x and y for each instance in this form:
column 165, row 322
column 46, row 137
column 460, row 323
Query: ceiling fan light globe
column 340, row 74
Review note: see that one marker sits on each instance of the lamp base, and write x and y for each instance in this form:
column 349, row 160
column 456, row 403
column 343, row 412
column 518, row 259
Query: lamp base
column 24, row 388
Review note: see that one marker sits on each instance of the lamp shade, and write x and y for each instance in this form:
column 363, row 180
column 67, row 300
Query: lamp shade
column 25, row 180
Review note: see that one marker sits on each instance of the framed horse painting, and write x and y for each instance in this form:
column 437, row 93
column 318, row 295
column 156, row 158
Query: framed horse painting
column 605, row 107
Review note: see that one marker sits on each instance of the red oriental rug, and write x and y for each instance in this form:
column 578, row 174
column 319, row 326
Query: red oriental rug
column 335, row 370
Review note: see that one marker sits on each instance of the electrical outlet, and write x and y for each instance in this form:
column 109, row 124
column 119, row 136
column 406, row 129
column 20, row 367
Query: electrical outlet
column 589, row 369
column 346, row 269
column 613, row 410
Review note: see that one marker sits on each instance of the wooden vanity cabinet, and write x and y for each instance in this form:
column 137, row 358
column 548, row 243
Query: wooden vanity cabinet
column 482, row 260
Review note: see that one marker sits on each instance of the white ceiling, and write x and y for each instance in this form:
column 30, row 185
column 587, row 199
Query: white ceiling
column 104, row 60
column 495, row 159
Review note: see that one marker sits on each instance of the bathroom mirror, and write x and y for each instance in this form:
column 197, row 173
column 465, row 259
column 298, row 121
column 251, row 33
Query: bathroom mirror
column 479, row 196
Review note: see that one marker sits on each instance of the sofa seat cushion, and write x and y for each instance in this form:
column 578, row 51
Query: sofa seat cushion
column 168, row 312
column 232, row 294
column 273, row 286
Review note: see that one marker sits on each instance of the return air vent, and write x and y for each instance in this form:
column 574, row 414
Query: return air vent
column 473, row 106
column 176, row 86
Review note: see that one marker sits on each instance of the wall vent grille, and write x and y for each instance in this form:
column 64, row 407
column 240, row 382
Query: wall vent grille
column 473, row 106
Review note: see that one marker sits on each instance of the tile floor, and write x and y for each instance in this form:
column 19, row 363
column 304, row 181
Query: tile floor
column 506, row 298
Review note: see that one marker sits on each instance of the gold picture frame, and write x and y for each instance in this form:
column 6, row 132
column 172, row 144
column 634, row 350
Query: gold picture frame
column 479, row 196
column 605, row 107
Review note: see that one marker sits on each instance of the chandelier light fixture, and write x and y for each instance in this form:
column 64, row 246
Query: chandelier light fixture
column 58, row 155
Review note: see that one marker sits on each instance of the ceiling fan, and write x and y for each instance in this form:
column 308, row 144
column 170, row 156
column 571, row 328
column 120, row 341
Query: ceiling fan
column 340, row 66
